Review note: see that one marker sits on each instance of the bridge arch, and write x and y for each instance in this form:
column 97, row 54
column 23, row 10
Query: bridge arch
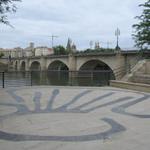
column 96, row 65
column 35, row 66
column 58, row 73
column 23, row 66
column 16, row 65
column 58, row 65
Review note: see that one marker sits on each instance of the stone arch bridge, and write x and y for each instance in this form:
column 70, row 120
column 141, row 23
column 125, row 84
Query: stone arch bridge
column 119, row 63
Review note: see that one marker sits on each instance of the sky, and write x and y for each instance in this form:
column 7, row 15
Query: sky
column 81, row 20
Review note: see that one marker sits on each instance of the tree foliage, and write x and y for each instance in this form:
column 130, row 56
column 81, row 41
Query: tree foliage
column 60, row 50
column 98, row 50
column 1, row 55
column 142, row 29
column 7, row 6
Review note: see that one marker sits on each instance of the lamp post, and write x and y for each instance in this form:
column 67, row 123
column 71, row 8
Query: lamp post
column 117, row 34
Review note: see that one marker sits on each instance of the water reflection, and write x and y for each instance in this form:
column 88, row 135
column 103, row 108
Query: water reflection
column 74, row 78
column 59, row 78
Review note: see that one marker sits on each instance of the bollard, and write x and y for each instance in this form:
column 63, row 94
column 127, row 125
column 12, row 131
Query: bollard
column 3, row 79
column 31, row 78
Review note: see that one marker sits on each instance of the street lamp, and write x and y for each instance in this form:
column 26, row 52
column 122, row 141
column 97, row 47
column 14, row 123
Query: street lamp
column 117, row 34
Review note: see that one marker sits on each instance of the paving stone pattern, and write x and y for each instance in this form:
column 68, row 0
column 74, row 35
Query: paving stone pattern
column 83, row 101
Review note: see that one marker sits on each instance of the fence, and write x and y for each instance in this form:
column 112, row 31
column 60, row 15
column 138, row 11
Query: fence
column 54, row 77
column 14, row 79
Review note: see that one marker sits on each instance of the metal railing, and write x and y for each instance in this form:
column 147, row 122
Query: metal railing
column 15, row 79
column 55, row 77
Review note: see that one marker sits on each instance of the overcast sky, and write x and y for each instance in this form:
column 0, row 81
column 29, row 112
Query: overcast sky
column 81, row 20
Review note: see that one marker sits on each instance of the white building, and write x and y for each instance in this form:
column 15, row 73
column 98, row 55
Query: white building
column 6, row 52
column 17, row 52
column 13, row 53
column 43, row 51
column 27, row 52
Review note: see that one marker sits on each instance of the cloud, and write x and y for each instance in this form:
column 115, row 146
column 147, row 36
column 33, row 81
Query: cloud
column 82, row 20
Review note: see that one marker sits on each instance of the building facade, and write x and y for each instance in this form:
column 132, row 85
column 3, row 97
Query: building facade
column 30, row 51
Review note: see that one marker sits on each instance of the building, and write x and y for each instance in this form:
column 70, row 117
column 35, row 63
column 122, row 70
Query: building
column 71, row 47
column 27, row 52
column 43, row 51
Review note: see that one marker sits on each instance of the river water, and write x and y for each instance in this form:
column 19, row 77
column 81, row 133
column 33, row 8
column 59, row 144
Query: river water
column 59, row 78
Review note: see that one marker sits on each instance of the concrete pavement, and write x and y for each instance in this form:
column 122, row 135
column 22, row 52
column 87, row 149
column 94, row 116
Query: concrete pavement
column 74, row 118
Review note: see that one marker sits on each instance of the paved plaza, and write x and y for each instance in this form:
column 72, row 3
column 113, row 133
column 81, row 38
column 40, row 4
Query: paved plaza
column 74, row 118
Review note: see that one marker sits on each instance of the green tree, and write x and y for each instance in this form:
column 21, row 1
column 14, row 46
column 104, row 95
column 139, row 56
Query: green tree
column 1, row 55
column 98, row 50
column 7, row 6
column 60, row 50
column 142, row 28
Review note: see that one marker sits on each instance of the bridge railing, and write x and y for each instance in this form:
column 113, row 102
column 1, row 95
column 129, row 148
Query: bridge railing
column 57, row 78
column 15, row 79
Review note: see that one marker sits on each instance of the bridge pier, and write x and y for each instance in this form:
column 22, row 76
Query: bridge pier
column 43, row 64
column 120, row 66
column 16, row 65
column 27, row 67
column 72, row 63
